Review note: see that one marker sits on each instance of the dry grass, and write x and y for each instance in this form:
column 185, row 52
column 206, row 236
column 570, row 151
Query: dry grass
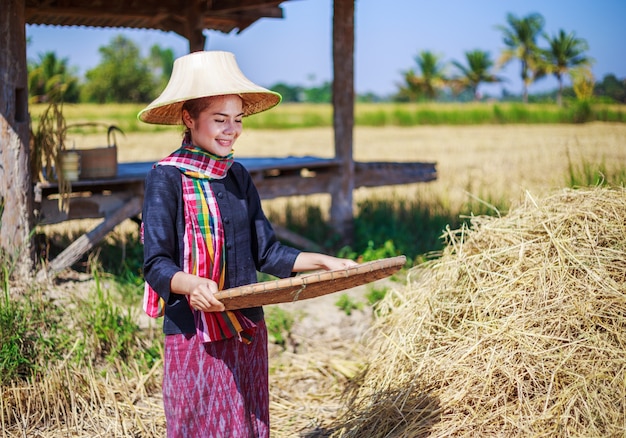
column 69, row 402
column 518, row 330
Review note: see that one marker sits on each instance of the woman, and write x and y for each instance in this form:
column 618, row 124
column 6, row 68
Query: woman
column 204, row 230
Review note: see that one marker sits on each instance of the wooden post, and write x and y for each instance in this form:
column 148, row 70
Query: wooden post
column 16, row 190
column 194, row 30
column 197, row 40
column 341, row 211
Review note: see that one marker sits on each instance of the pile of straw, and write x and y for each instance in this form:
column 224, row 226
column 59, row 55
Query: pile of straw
column 519, row 329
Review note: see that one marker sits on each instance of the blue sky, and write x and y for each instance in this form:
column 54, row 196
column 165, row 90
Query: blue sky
column 389, row 34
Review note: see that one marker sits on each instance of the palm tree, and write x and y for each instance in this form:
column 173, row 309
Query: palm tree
column 477, row 71
column 51, row 75
column 428, row 80
column 520, row 39
column 565, row 53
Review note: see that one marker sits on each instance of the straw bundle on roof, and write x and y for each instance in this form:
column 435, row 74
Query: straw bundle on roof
column 519, row 329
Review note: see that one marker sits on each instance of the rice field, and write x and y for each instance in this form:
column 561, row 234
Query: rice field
column 484, row 161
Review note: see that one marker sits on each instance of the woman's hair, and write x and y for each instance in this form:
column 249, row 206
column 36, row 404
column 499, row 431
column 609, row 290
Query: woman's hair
column 196, row 106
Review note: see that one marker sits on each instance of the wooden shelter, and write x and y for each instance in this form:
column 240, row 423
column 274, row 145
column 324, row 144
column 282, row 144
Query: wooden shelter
column 338, row 176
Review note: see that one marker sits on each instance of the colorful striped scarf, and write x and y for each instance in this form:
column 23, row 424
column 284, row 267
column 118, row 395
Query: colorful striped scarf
column 203, row 241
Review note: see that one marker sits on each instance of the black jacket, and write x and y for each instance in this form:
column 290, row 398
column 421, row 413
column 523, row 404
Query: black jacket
column 250, row 242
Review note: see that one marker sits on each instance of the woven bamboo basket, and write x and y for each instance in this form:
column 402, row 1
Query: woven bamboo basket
column 98, row 162
column 309, row 285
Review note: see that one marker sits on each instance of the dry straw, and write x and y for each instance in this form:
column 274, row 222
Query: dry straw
column 69, row 402
column 519, row 329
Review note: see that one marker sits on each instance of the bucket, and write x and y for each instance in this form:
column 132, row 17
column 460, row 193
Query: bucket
column 70, row 165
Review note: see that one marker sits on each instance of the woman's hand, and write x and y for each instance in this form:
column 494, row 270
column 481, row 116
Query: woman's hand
column 202, row 298
column 311, row 261
column 200, row 290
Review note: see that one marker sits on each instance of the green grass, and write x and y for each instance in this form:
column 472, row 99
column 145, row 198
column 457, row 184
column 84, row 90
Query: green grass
column 347, row 304
column 387, row 114
column 385, row 226
column 588, row 174
column 279, row 324
column 31, row 333
column 292, row 116
column 88, row 327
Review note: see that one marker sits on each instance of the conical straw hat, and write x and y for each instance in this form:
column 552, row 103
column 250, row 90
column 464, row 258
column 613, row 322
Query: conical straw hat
column 204, row 74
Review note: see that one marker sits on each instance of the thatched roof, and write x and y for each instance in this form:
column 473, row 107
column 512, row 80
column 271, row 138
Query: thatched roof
column 165, row 15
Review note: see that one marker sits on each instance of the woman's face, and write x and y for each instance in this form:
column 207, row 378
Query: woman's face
column 218, row 126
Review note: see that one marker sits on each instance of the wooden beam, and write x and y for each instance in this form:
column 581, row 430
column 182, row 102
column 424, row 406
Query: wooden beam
column 78, row 12
column 94, row 206
column 296, row 239
column 166, row 16
column 84, row 243
column 341, row 211
column 16, row 195
column 237, row 5
column 378, row 174
column 250, row 9
column 194, row 27
column 295, row 185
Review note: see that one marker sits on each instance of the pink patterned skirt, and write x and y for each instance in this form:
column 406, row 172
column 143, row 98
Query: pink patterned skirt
column 218, row 389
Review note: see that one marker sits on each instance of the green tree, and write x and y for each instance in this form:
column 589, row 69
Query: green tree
column 290, row 93
column 565, row 52
column 319, row 94
column 520, row 39
column 122, row 76
column 427, row 81
column 52, row 75
column 477, row 71
column 162, row 63
column 612, row 87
